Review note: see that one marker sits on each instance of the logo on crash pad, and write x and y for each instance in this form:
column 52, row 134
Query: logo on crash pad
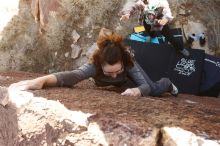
column 185, row 67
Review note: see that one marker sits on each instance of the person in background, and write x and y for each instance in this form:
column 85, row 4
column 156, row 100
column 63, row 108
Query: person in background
column 110, row 64
column 155, row 15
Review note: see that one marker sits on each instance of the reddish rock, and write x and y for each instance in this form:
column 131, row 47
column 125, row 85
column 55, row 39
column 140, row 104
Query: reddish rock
column 41, row 9
column 132, row 120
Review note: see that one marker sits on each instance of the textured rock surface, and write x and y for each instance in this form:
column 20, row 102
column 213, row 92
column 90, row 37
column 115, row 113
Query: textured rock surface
column 4, row 98
column 115, row 120
column 29, row 45
column 172, row 137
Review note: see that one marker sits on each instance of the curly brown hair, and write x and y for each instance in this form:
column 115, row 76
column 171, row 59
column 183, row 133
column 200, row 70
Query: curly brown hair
column 111, row 50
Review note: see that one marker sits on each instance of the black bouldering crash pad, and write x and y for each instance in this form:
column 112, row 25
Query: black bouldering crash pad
column 162, row 60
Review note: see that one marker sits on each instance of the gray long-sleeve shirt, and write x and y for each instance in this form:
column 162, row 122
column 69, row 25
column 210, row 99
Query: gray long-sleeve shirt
column 70, row 78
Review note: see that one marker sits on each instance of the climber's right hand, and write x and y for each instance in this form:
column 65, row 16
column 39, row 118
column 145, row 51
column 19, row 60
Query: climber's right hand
column 35, row 84
column 28, row 84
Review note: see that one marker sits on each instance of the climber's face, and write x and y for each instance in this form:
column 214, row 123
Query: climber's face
column 113, row 70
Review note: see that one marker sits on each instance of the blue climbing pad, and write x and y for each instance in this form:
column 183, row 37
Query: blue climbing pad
column 146, row 39
column 138, row 37
column 159, row 39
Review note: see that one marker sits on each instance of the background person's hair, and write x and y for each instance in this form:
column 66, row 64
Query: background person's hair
column 111, row 50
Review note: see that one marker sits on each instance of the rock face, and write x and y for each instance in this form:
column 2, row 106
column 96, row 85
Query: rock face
column 101, row 116
column 30, row 45
column 171, row 137
column 4, row 98
column 36, row 30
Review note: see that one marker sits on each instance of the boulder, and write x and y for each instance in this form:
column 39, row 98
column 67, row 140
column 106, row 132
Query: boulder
column 89, row 115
